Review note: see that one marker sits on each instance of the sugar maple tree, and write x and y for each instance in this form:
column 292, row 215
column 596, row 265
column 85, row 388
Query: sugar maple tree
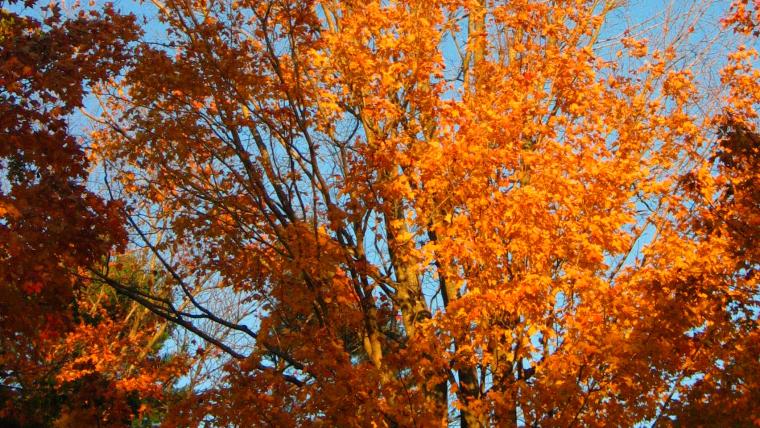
column 71, row 353
column 469, row 212
column 49, row 221
column 104, row 369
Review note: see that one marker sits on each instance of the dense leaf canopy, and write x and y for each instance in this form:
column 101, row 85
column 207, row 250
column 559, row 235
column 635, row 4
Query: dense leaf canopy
column 380, row 213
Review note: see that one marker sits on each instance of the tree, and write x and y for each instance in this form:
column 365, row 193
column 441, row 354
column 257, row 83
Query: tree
column 50, row 223
column 728, row 392
column 52, row 228
column 106, row 368
column 473, row 212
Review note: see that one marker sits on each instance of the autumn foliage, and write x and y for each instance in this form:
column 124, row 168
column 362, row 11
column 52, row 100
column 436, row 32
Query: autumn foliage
column 381, row 213
column 66, row 352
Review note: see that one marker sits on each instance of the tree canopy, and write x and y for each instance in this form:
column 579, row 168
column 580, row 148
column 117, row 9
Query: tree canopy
column 380, row 213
